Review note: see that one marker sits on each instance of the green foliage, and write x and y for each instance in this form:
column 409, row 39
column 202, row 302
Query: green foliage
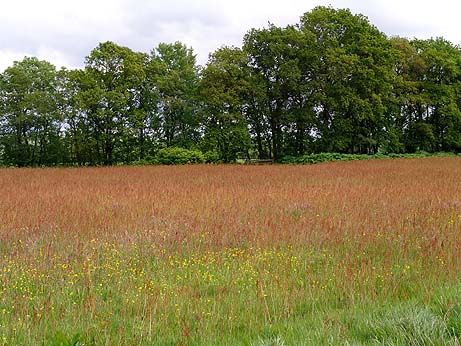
column 30, row 122
column 325, row 157
column 331, row 83
column 178, row 156
column 212, row 156
column 108, row 96
column 223, row 87
column 352, row 80
column 173, row 73
column 420, row 137
column 330, row 157
column 60, row 339
column 274, row 61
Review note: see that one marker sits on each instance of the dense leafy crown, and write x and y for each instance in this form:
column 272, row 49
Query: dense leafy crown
column 330, row 83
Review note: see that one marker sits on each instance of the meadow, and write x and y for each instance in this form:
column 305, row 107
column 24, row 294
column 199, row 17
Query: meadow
column 340, row 253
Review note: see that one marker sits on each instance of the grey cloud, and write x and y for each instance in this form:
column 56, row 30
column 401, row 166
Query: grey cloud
column 203, row 24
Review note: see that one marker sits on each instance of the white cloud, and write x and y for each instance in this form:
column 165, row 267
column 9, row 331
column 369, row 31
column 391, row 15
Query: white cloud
column 8, row 56
column 64, row 32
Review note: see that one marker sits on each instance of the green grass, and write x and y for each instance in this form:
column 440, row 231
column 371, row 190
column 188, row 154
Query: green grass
column 235, row 297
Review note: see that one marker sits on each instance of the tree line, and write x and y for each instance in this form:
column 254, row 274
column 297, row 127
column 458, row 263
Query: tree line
column 331, row 83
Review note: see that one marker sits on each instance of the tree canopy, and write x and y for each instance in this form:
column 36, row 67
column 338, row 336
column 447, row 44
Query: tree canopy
column 332, row 82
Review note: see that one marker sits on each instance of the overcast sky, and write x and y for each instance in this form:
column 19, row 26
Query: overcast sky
column 64, row 32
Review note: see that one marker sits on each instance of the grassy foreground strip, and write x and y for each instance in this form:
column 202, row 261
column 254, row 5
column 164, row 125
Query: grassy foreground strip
column 357, row 253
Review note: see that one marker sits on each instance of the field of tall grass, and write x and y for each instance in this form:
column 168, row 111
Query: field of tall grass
column 341, row 253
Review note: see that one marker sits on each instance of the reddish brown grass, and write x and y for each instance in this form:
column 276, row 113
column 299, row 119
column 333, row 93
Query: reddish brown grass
column 222, row 206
